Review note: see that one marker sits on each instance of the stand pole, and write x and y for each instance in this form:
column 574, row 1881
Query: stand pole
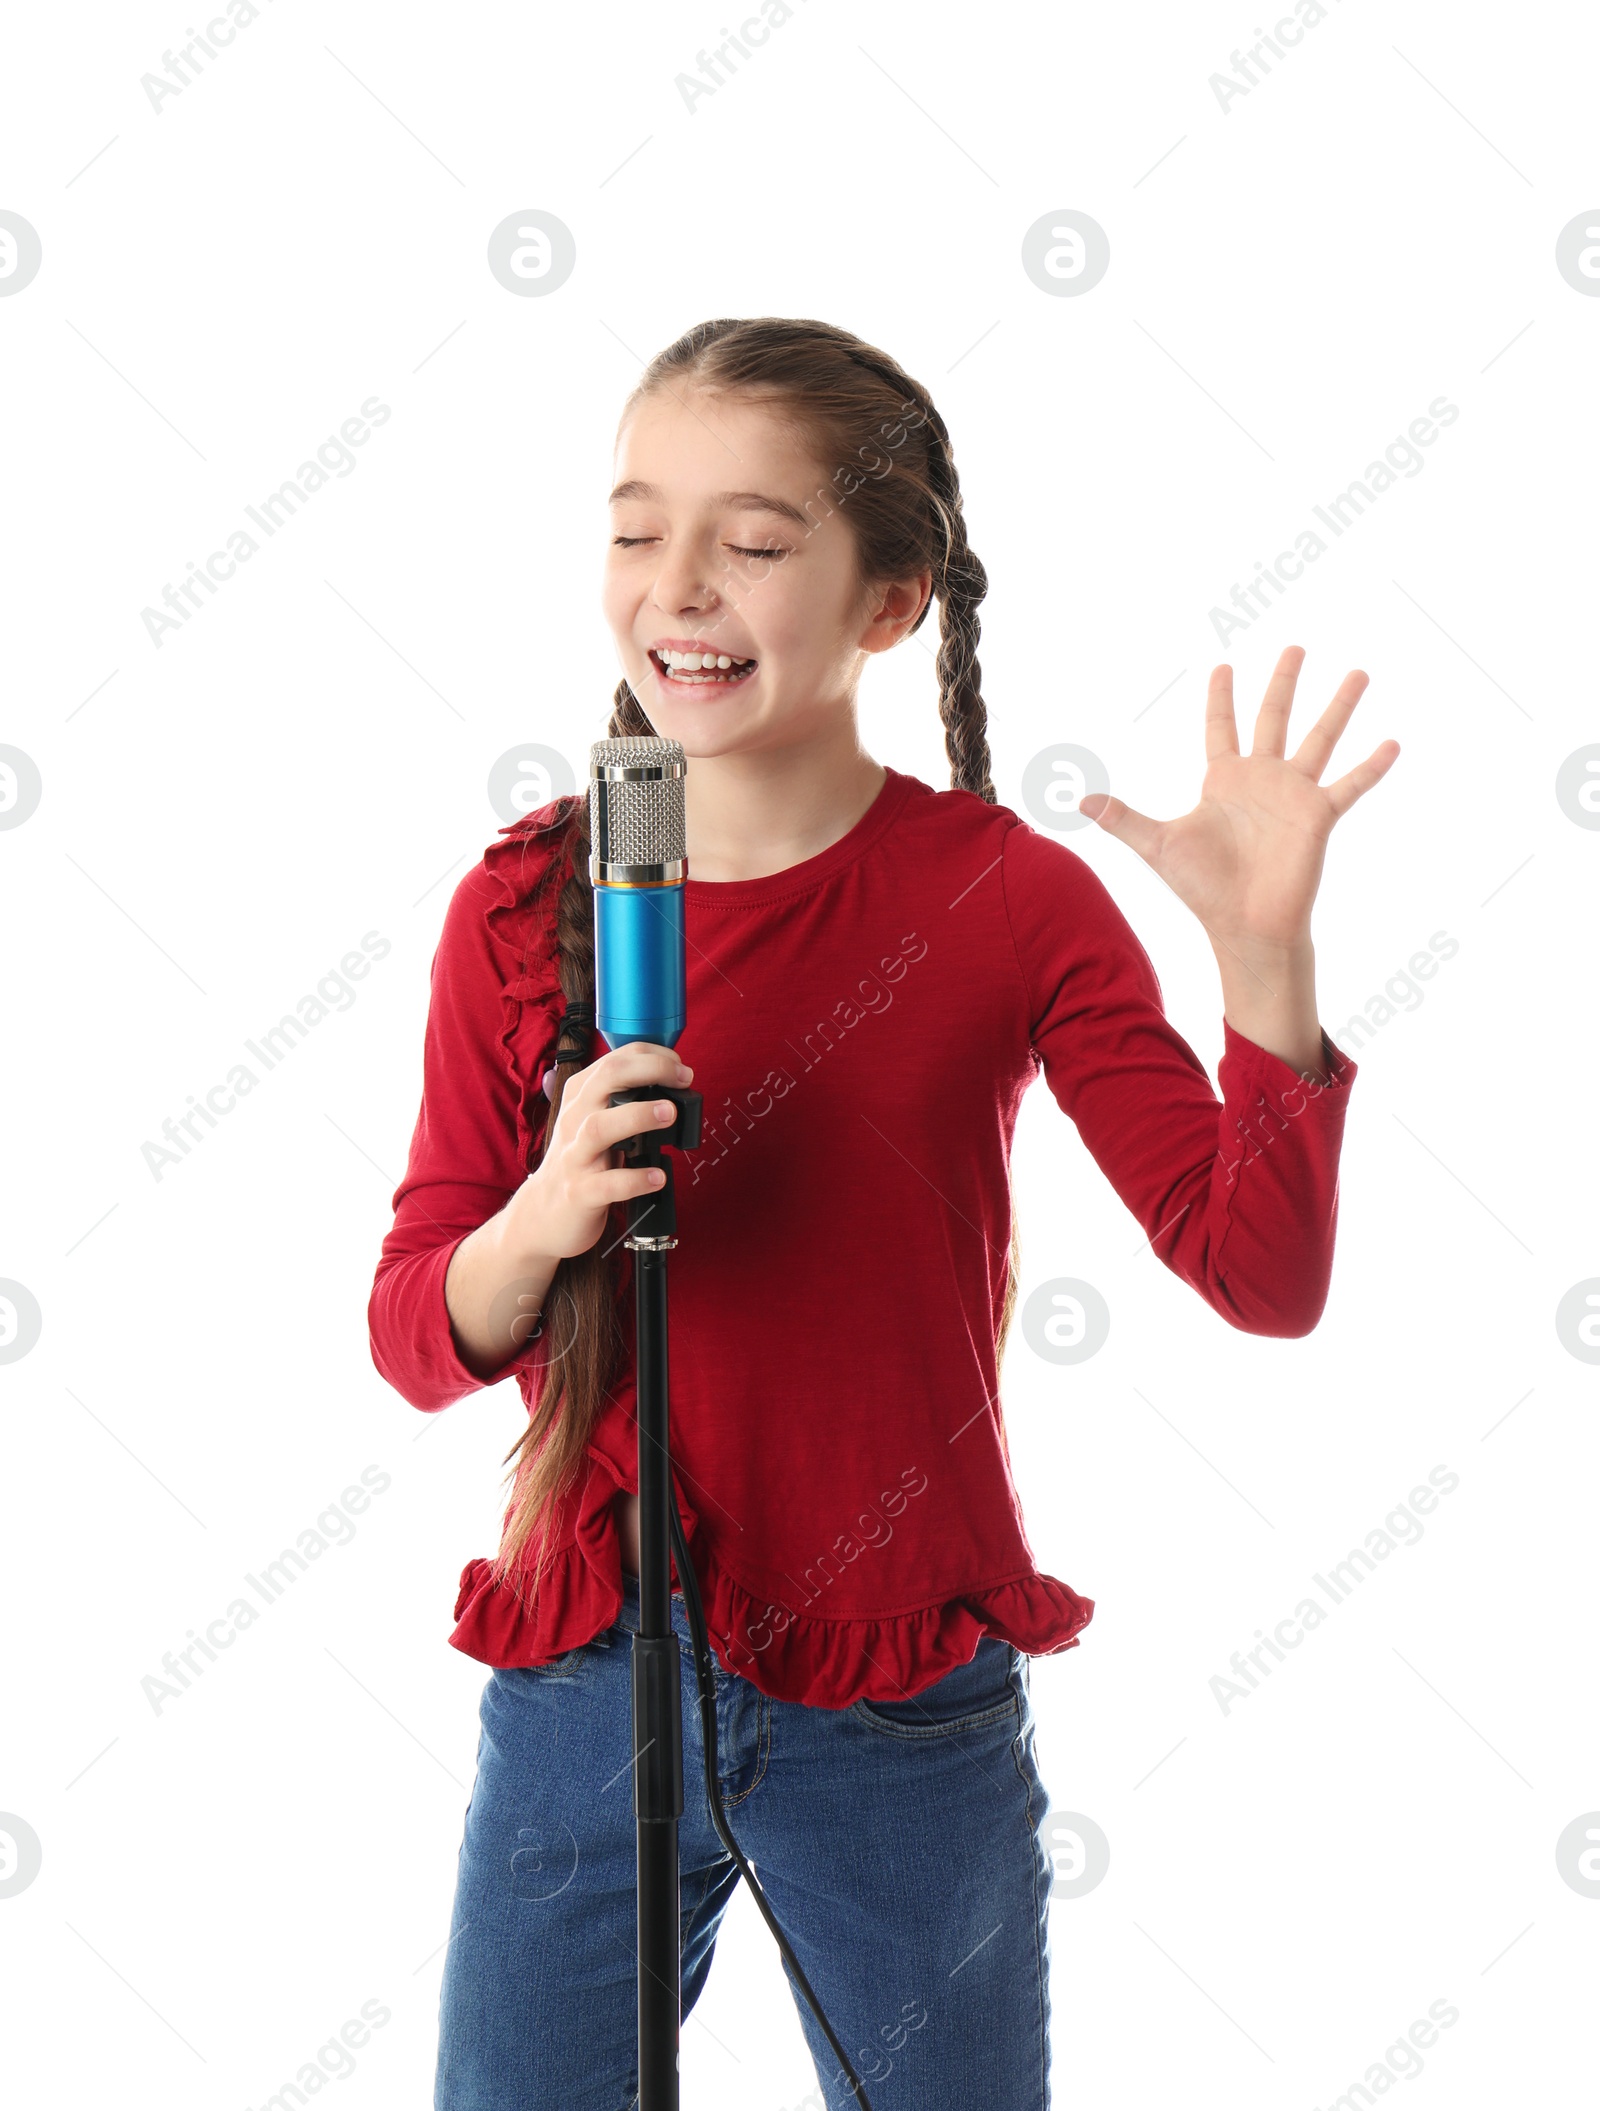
column 657, row 1691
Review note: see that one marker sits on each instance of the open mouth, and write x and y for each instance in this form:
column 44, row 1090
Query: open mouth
column 701, row 670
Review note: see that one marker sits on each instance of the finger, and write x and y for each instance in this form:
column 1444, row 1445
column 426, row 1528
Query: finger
column 1124, row 822
column 1272, row 721
column 1346, row 790
column 634, row 1063
column 635, row 1117
column 1312, row 754
column 637, row 1062
column 1222, row 735
column 620, row 1185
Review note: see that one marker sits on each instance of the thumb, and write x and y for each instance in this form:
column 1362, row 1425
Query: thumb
column 1119, row 819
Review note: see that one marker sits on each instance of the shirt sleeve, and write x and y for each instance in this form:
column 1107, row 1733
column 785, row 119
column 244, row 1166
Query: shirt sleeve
column 463, row 1166
column 1238, row 1196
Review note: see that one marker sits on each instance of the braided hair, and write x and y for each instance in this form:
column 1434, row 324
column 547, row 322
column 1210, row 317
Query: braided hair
column 897, row 485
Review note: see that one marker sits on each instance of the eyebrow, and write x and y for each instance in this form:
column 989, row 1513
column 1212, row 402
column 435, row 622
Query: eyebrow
column 743, row 501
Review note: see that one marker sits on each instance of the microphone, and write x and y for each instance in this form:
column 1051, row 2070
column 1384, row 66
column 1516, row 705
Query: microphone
column 638, row 863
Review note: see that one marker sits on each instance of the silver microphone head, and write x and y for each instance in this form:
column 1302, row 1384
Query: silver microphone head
column 637, row 835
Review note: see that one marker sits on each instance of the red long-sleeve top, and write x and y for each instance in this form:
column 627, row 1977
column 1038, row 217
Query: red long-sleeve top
column 862, row 1027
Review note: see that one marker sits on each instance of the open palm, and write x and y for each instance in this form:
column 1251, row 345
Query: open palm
column 1248, row 858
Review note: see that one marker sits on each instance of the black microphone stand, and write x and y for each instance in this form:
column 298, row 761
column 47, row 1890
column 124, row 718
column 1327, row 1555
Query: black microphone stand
column 657, row 1693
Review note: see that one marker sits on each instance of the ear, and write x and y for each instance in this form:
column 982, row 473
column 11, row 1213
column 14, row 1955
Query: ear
column 895, row 607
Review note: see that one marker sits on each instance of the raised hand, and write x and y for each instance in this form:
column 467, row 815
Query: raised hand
column 1247, row 858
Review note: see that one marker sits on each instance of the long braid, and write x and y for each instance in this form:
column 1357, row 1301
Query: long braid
column 962, row 586
column 959, row 584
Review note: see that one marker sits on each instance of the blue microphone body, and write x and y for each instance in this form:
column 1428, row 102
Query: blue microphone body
column 638, row 867
column 638, row 964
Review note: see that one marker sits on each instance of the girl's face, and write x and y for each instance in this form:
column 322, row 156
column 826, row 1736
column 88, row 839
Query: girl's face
column 725, row 542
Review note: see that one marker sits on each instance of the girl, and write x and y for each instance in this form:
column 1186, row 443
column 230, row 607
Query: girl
column 877, row 971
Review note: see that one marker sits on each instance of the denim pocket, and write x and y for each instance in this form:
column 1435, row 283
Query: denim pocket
column 971, row 1697
column 558, row 1667
column 616, row 1636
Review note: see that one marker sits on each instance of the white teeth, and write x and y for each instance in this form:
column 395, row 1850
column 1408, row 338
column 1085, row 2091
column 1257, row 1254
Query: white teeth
column 695, row 663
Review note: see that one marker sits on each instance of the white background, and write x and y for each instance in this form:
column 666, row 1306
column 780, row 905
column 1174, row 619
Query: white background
column 1292, row 281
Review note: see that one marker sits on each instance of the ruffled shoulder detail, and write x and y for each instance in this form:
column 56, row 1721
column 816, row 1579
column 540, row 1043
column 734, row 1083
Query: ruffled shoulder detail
column 788, row 1656
column 525, row 934
column 516, row 864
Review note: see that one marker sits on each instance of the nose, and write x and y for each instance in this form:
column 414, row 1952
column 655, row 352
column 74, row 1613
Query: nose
column 683, row 585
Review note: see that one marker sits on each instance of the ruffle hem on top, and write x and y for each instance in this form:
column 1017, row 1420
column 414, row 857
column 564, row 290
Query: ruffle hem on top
column 824, row 1662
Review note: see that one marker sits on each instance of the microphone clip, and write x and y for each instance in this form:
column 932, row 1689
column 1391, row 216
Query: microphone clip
column 652, row 1218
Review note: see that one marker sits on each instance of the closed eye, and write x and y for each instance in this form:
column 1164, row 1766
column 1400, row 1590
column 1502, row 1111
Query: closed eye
column 629, row 542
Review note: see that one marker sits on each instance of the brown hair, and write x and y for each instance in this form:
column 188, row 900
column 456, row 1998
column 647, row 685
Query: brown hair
column 851, row 405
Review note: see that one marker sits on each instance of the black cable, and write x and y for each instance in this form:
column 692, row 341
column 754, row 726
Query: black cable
column 708, row 1740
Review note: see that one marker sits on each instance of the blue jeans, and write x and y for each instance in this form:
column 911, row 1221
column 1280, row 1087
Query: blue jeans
column 898, row 1842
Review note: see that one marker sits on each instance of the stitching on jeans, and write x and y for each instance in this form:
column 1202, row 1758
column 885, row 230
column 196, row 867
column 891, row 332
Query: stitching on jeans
column 921, row 1733
column 952, row 1726
column 763, row 1751
column 1038, row 1918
